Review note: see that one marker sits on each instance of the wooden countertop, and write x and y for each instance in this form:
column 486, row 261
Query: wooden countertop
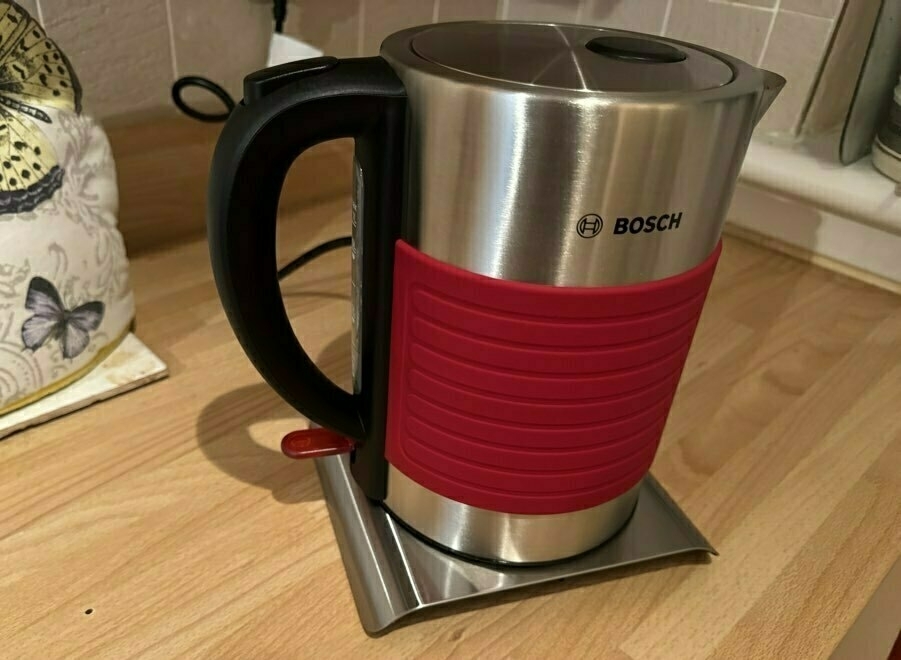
column 170, row 516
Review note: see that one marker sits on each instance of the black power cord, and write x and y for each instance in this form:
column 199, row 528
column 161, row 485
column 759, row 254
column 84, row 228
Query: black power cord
column 210, row 86
column 279, row 12
column 309, row 255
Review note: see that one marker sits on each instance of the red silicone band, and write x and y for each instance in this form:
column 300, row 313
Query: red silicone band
column 527, row 398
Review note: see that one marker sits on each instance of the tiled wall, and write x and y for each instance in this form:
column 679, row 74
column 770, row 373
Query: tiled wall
column 127, row 52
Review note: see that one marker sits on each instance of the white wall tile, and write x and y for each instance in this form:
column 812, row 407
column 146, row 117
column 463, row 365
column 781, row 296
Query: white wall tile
column 466, row 10
column 384, row 17
column 333, row 26
column 120, row 50
column 223, row 41
column 737, row 30
column 637, row 15
column 795, row 50
column 556, row 11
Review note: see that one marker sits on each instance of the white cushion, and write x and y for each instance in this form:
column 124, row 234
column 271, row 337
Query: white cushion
column 65, row 298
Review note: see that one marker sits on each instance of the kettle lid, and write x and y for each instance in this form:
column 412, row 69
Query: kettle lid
column 570, row 57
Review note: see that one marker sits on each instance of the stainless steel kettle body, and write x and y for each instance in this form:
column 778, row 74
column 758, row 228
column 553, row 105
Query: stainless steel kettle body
column 560, row 195
column 569, row 157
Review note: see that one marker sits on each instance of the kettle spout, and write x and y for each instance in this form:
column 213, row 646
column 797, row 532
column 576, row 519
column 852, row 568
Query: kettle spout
column 772, row 85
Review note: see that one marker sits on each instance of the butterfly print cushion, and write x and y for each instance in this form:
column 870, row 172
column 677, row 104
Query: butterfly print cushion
column 65, row 299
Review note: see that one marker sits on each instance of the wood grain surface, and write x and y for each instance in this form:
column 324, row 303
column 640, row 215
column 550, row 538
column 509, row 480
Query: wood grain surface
column 166, row 524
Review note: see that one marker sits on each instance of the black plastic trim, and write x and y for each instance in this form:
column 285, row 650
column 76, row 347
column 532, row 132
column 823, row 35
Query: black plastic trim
column 360, row 98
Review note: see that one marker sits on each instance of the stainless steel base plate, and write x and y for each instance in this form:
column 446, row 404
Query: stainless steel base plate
column 393, row 573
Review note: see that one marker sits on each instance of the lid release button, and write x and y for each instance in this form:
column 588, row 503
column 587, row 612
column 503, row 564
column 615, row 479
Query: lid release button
column 636, row 50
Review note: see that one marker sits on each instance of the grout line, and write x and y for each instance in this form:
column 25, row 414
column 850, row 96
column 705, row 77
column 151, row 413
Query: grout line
column 435, row 10
column 172, row 55
column 743, row 5
column 769, row 33
column 806, row 15
column 666, row 14
column 361, row 27
column 40, row 12
column 503, row 9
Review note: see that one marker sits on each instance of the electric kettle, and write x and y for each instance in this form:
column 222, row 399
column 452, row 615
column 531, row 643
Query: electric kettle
column 536, row 220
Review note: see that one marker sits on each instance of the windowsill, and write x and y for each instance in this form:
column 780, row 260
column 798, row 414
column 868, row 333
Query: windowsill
column 844, row 218
column 857, row 192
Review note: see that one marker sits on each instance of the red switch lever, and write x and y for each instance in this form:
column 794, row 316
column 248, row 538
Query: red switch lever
column 314, row 443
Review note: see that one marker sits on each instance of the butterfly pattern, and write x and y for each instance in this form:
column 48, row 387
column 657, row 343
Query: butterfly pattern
column 62, row 244
column 34, row 73
column 51, row 320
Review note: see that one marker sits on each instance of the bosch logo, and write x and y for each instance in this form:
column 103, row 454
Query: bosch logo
column 590, row 225
column 646, row 225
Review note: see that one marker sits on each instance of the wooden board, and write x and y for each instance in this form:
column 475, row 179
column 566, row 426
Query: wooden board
column 130, row 366
column 170, row 516
column 163, row 163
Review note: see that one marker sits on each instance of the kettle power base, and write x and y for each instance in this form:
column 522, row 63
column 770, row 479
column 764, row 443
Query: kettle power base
column 393, row 573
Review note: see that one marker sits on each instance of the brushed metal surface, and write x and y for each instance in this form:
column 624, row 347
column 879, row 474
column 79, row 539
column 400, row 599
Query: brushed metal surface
column 392, row 573
column 533, row 157
column 563, row 56
column 505, row 537
column 502, row 171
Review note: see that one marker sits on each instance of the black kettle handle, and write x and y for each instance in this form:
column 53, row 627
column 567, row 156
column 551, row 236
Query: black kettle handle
column 286, row 110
